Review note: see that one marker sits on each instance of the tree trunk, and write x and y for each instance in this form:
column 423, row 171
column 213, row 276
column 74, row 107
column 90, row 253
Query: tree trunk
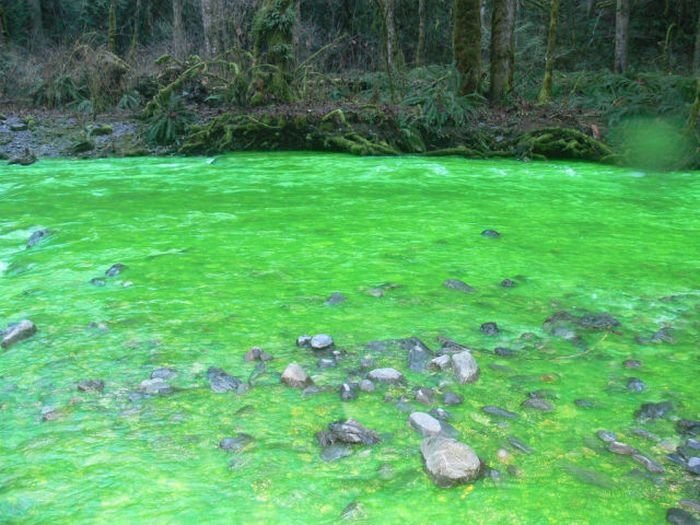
column 696, row 55
column 37, row 22
column 208, row 10
column 392, row 51
column 420, row 48
column 179, row 42
column 546, row 91
column 112, row 28
column 2, row 27
column 135, row 38
column 502, row 49
column 466, row 43
column 622, row 20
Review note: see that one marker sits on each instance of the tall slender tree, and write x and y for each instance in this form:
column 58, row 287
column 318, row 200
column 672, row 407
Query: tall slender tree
column 208, row 12
column 622, row 20
column 696, row 55
column 546, row 90
column 466, row 43
column 179, row 42
column 392, row 50
column 502, row 49
column 420, row 47
column 37, row 22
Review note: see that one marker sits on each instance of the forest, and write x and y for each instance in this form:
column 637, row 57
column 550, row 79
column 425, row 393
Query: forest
column 597, row 79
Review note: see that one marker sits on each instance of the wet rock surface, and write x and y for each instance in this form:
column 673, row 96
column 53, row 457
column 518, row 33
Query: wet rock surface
column 386, row 375
column 449, row 462
column 456, row 284
column 465, row 367
column 350, row 431
column 16, row 332
column 296, row 377
column 91, row 385
column 221, row 382
column 425, row 424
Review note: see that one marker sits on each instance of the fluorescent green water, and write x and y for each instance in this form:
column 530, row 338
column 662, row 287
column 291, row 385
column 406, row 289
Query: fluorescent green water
column 245, row 251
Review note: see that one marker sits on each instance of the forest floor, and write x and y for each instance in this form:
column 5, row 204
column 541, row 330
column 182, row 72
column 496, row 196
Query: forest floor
column 69, row 134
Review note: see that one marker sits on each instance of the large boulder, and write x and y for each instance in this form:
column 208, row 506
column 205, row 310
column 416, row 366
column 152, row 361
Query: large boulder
column 465, row 366
column 449, row 462
column 17, row 332
column 296, row 377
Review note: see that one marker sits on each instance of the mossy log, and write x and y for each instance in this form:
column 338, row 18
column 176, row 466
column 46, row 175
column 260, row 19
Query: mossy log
column 562, row 143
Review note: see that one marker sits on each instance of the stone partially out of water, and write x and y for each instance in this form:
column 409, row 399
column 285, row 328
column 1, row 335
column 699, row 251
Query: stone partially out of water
column 598, row 321
column 441, row 362
column 257, row 354
column 26, row 158
column 606, row 436
column 164, row 373
column 451, row 399
column 425, row 395
column 115, row 270
column 348, row 392
column 350, row 432
column 419, row 355
column 37, row 236
column 622, row 449
column 465, row 366
column 296, row 377
column 386, row 375
column 538, row 403
column 335, row 452
column 221, row 382
column 424, row 424
column 17, row 332
column 449, row 462
column 635, row 384
column 508, row 283
column 321, row 342
column 156, row 387
column 649, row 464
column 456, row 284
column 491, row 234
column 236, row 443
column 498, row 412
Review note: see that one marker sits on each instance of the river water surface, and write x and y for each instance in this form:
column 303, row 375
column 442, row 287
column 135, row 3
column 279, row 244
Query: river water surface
column 244, row 251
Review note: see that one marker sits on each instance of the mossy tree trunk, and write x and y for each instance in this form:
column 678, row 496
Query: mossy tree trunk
column 392, row 50
column 622, row 20
column 695, row 109
column 696, row 55
column 546, row 91
column 502, row 49
column 420, row 48
column 136, row 34
column 3, row 38
column 209, row 24
column 273, row 32
column 466, row 43
column 179, row 42
column 112, row 28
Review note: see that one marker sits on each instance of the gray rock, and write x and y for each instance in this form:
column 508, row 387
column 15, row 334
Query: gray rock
column 519, row 445
column 37, row 236
column 606, row 436
column 508, row 283
column 680, row 517
column 164, row 373
column 155, row 387
column 490, row 328
column 386, row 375
column 585, row 403
column 442, row 362
column 321, row 342
column 221, row 382
column 366, row 385
column 237, row 443
column 449, row 462
column 690, row 504
column 295, row 376
column 257, row 354
column 115, row 270
column 504, row 352
column 91, row 385
column 450, row 399
column 456, row 284
column 649, row 411
column 304, row 341
column 498, row 412
column 98, row 281
column 326, row 362
column 335, row 299
column 425, row 395
column 440, row 413
column 635, row 384
column 537, row 403
column 632, row 363
column 26, row 158
column 418, row 353
column 491, row 234
column 649, row 464
column 348, row 392
column 353, row 511
column 598, row 321
column 694, row 465
column 621, row 448
column 17, row 332
column 425, row 424
column 350, row 432
column 465, row 366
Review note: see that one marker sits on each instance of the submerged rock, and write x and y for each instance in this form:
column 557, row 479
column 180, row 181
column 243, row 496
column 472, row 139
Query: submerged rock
column 296, row 377
column 424, row 424
column 237, row 443
column 451, row 399
column 348, row 392
column 335, row 299
column 498, row 412
column 349, row 431
column 221, row 382
column 491, row 234
column 508, row 283
column 653, row 410
column 449, row 462
column 17, row 332
column 386, row 375
column 490, row 328
column 335, row 452
column 91, row 385
column 622, row 449
column 598, row 321
column 37, row 236
column 456, row 284
column 606, row 436
column 635, row 384
column 98, row 281
column 115, row 270
column 257, row 354
column 366, row 385
column 519, row 445
column 465, row 366
column 164, row 373
column 538, row 403
column 680, row 517
column 442, row 362
column 304, row 341
column 649, row 464
column 156, row 387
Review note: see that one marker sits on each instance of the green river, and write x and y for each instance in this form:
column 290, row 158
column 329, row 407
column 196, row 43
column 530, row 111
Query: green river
column 243, row 250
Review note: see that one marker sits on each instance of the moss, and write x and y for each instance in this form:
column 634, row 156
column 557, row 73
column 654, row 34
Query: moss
column 562, row 143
